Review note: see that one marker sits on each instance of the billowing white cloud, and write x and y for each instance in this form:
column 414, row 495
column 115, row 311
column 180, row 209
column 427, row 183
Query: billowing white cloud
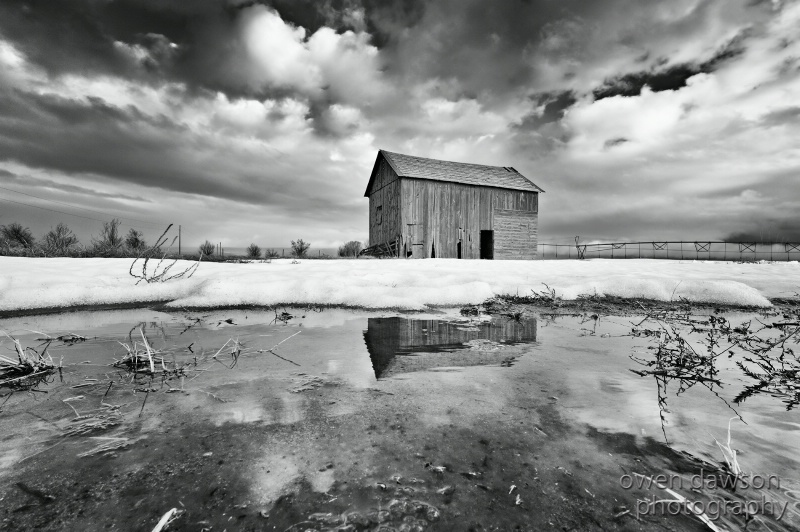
column 343, row 66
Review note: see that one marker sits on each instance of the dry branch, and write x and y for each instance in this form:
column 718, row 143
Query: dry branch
column 160, row 272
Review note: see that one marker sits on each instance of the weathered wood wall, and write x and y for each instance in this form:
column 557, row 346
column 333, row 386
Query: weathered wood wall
column 515, row 234
column 384, row 194
column 439, row 214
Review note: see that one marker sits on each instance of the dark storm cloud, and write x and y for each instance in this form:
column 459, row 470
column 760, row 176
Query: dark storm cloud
column 22, row 181
column 632, row 84
column 189, row 42
column 767, row 231
column 79, row 36
column 481, row 44
column 92, row 137
column 554, row 106
column 670, row 78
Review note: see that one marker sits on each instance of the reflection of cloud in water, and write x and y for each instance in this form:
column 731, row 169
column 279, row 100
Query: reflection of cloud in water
column 322, row 318
column 277, row 474
column 9, row 459
column 273, row 476
column 401, row 345
column 283, row 409
column 591, row 377
column 98, row 322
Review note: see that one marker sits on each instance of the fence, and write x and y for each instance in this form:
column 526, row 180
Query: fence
column 705, row 250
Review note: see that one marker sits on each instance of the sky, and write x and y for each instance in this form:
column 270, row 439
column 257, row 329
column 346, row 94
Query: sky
column 259, row 121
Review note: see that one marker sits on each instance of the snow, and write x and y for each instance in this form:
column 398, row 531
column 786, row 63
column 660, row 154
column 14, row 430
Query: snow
column 38, row 283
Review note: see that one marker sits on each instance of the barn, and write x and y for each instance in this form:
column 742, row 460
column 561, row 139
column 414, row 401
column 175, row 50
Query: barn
column 427, row 208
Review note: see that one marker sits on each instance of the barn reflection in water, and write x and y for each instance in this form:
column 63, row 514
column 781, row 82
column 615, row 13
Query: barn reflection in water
column 401, row 345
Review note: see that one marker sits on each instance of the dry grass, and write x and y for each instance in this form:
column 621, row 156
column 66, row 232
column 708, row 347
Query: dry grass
column 141, row 358
column 30, row 367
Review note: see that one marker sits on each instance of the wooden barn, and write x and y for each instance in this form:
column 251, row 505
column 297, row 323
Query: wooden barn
column 426, row 208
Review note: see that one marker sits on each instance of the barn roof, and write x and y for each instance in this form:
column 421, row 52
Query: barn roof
column 466, row 173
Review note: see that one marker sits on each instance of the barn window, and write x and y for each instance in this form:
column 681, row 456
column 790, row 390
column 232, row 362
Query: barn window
column 379, row 215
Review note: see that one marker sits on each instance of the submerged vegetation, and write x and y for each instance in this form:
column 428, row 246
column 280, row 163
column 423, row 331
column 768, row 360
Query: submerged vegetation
column 686, row 349
column 687, row 343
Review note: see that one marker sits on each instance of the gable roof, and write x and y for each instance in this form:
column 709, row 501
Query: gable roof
column 466, row 173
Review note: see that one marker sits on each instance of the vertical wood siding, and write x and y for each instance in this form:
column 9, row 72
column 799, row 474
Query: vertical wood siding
column 384, row 193
column 442, row 214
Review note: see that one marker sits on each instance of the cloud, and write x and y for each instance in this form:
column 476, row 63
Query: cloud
column 638, row 118
column 327, row 65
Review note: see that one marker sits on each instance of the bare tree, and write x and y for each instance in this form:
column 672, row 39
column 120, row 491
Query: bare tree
column 59, row 240
column 109, row 241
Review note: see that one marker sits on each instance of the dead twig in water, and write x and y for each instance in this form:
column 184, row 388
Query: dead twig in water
column 146, row 395
column 272, row 349
column 149, row 353
column 166, row 519
column 214, row 396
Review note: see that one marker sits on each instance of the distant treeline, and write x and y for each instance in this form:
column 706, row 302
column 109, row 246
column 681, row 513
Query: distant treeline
column 61, row 241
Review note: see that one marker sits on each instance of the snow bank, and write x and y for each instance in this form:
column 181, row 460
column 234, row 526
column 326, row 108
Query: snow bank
column 34, row 283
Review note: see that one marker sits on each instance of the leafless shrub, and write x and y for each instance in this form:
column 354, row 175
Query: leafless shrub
column 253, row 251
column 350, row 249
column 158, row 271
column 300, row 248
column 134, row 240
column 271, row 254
column 17, row 236
column 206, row 248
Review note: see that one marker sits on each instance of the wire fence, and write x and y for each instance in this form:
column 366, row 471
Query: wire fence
column 677, row 250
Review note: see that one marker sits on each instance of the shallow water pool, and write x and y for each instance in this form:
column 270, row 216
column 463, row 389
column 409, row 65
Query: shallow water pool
column 305, row 419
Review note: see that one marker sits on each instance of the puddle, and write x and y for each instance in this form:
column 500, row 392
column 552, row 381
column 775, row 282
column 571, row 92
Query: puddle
column 301, row 419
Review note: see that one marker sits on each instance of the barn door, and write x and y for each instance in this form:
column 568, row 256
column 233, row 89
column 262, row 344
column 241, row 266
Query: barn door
column 414, row 241
column 487, row 244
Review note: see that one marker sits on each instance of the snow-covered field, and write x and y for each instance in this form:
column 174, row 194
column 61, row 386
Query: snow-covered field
column 27, row 283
